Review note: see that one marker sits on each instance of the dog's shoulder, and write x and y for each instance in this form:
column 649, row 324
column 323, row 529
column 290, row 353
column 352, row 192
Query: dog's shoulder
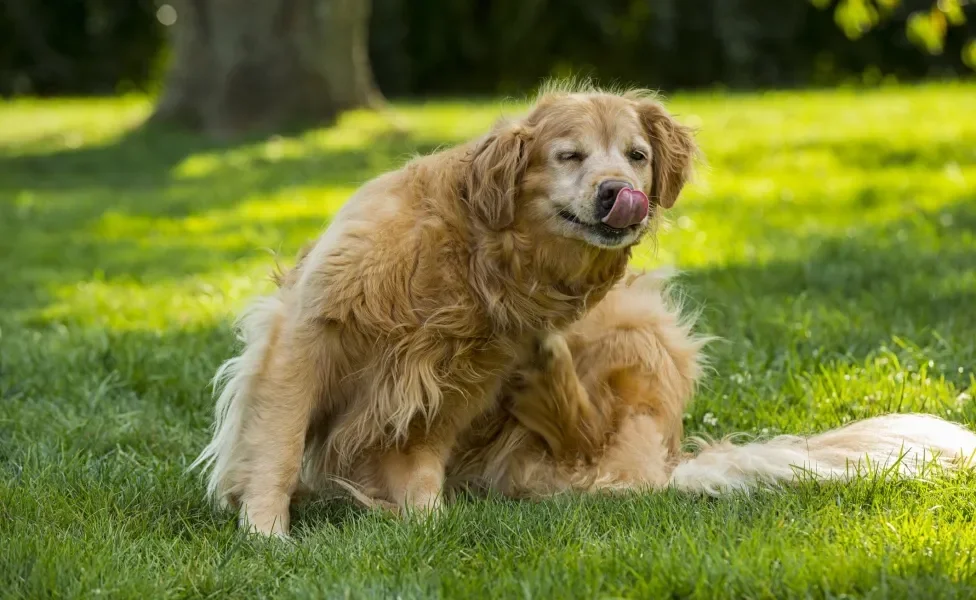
column 394, row 255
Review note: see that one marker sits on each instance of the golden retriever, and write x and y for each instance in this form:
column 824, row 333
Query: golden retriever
column 599, row 406
column 398, row 328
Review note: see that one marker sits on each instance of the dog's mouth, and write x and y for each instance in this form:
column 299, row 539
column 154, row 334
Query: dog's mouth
column 603, row 230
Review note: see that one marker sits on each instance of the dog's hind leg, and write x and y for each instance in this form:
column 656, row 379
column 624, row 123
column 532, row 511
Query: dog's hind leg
column 549, row 399
column 263, row 413
column 285, row 395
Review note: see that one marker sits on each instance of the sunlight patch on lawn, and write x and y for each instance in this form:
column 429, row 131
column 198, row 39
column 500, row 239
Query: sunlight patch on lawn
column 751, row 218
column 164, row 304
column 37, row 127
column 248, row 235
column 312, row 207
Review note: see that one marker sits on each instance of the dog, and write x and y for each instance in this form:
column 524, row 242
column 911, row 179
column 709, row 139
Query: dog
column 397, row 329
column 599, row 406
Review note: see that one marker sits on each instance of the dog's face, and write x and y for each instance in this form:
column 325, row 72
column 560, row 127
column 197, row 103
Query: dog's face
column 589, row 167
column 592, row 170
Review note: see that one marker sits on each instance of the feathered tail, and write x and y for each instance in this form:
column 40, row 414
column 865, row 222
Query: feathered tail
column 902, row 443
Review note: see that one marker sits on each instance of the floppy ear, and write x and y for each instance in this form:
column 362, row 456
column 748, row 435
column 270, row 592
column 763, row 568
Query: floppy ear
column 494, row 175
column 674, row 152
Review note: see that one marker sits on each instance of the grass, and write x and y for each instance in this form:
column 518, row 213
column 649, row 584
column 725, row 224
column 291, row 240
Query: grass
column 831, row 244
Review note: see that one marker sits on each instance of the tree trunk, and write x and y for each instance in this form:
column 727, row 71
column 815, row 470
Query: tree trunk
column 241, row 66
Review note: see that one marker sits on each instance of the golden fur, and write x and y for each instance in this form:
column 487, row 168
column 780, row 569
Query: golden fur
column 598, row 406
column 400, row 324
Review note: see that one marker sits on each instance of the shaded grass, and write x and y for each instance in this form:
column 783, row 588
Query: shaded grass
column 831, row 244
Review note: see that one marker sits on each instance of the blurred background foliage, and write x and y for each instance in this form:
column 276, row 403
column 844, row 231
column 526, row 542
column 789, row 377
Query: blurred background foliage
column 421, row 47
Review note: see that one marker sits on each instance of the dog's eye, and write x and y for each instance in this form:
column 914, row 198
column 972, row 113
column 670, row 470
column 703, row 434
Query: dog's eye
column 637, row 155
column 572, row 155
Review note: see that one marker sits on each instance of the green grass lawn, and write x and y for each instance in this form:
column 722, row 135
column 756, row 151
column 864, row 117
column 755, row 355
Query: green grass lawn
column 830, row 243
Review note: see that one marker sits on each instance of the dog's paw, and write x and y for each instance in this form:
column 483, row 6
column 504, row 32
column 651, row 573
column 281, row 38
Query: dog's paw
column 551, row 349
column 276, row 530
column 266, row 515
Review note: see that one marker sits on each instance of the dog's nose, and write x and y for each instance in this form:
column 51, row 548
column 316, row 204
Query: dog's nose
column 606, row 195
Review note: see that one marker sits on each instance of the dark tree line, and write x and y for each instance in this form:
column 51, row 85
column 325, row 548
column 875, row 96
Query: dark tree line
column 245, row 64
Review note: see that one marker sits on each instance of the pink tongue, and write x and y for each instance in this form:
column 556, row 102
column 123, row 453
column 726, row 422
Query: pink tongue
column 629, row 208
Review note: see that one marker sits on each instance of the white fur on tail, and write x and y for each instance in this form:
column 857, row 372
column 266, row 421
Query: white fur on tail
column 902, row 443
column 233, row 380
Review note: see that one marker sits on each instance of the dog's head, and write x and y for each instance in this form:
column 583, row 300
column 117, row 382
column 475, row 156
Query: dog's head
column 589, row 166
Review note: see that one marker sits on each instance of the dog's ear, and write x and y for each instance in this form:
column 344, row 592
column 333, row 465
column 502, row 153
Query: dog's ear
column 494, row 175
column 674, row 152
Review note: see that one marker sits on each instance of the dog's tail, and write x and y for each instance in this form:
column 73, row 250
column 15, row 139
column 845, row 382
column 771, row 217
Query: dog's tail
column 233, row 382
column 896, row 443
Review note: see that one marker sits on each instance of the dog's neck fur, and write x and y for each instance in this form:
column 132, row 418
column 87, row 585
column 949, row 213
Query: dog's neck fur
column 524, row 286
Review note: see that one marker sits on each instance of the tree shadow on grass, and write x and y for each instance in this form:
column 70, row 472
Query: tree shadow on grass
column 913, row 270
column 140, row 158
column 907, row 287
